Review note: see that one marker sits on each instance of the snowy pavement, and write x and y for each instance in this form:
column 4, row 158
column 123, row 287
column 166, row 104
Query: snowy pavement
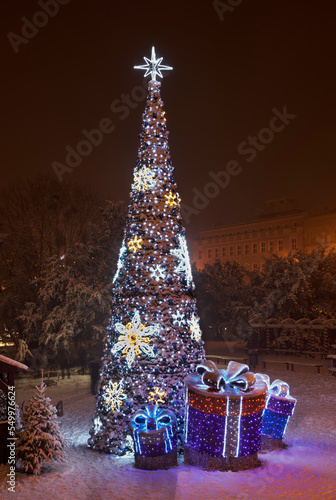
column 305, row 470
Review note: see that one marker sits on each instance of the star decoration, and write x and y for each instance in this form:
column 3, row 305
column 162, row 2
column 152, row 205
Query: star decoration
column 196, row 333
column 153, row 66
column 183, row 254
column 172, row 199
column 144, row 179
column 158, row 272
column 114, row 395
column 120, row 261
column 178, row 318
column 97, row 423
column 157, row 396
column 135, row 244
column 133, row 338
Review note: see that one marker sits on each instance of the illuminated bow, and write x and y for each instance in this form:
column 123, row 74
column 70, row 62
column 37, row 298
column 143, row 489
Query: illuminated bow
column 152, row 418
column 237, row 376
column 277, row 388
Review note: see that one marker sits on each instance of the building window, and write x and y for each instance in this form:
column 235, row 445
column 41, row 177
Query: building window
column 293, row 243
column 263, row 267
column 271, row 246
column 199, row 254
column 263, row 247
column 224, row 252
column 209, row 253
column 217, row 253
column 255, row 267
column 255, row 248
column 239, row 249
column 247, row 249
column 231, row 251
column 280, row 246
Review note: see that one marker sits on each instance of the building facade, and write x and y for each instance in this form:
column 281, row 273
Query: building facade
column 280, row 227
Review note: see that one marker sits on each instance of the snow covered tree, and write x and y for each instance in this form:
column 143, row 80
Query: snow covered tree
column 226, row 292
column 39, row 218
column 292, row 285
column 39, row 439
column 154, row 339
column 74, row 290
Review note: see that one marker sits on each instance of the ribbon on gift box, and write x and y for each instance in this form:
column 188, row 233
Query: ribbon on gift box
column 279, row 399
column 237, row 376
column 277, row 387
column 152, row 420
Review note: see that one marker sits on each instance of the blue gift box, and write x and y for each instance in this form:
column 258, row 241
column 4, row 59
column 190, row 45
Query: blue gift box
column 280, row 405
column 154, row 436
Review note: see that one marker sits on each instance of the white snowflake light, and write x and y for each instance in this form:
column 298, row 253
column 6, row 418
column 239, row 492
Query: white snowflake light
column 129, row 443
column 153, row 66
column 120, row 261
column 114, row 395
column 158, row 272
column 178, row 318
column 134, row 338
column 97, row 423
column 144, row 179
column 195, row 328
column 183, row 254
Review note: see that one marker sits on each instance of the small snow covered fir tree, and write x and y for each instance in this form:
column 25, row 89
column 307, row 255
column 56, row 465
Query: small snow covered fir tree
column 39, row 440
column 154, row 339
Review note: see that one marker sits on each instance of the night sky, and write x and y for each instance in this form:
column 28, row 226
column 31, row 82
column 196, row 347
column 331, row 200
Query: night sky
column 229, row 75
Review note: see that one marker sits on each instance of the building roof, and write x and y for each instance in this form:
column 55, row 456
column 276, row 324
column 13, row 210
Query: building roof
column 8, row 365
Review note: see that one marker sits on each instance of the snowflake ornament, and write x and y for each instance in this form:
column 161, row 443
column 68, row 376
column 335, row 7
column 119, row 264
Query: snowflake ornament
column 196, row 333
column 158, row 272
column 120, row 261
column 135, row 244
column 97, row 423
column 183, row 254
column 129, row 444
column 172, row 199
column 134, row 338
column 114, row 395
column 178, row 318
column 157, row 396
column 144, row 179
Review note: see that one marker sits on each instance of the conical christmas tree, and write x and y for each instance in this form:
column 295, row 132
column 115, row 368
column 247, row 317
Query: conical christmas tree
column 154, row 339
column 39, row 440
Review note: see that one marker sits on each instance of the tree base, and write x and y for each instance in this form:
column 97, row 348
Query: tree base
column 269, row 444
column 207, row 462
column 155, row 463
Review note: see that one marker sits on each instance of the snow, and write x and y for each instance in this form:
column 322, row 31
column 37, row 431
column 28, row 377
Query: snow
column 306, row 469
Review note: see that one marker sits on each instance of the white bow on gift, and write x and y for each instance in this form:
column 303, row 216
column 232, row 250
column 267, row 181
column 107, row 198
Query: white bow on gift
column 277, row 387
column 237, row 376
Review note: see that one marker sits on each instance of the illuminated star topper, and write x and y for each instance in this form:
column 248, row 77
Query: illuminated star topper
column 153, row 66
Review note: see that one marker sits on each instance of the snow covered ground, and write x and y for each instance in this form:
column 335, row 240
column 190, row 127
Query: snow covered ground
column 306, row 469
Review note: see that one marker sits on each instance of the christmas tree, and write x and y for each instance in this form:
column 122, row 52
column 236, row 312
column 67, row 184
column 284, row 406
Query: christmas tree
column 39, row 439
column 154, row 339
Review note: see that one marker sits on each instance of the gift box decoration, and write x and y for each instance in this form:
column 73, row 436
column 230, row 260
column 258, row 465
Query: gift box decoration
column 280, row 405
column 223, row 412
column 154, row 436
